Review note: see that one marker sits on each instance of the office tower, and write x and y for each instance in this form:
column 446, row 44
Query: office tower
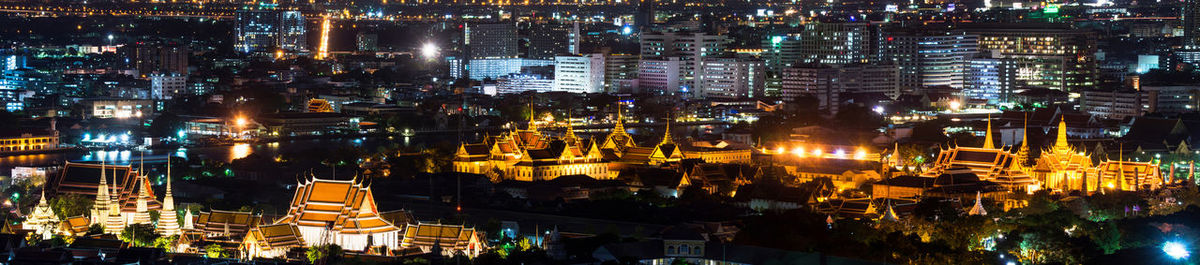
column 13, row 62
column 579, row 73
column 990, row 79
column 549, row 40
column 660, row 76
column 929, row 57
column 620, row 72
column 1051, row 56
column 731, row 78
column 690, row 47
column 167, row 86
column 645, row 15
column 149, row 59
column 839, row 43
column 491, row 40
column 1191, row 24
column 269, row 30
column 492, row 50
column 828, row 82
column 781, row 51
column 367, row 42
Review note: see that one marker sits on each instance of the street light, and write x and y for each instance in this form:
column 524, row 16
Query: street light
column 429, row 50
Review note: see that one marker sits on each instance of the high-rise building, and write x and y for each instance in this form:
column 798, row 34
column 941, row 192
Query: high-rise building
column 579, row 73
column 269, row 31
column 491, row 41
column 645, row 15
column 620, row 72
column 149, row 59
column 1051, row 56
column 660, row 76
column 167, row 86
column 839, row 43
column 730, row 78
column 930, row 57
column 1117, row 105
column 1191, row 23
column 828, row 82
column 990, row 80
column 781, row 51
column 549, row 40
column 367, row 42
column 690, row 47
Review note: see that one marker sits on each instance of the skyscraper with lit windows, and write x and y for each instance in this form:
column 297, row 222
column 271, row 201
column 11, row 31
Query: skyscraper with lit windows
column 270, row 30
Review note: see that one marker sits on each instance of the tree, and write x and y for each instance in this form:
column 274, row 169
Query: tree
column 95, row 229
column 214, row 251
column 69, row 205
column 166, row 243
column 324, row 254
column 140, row 235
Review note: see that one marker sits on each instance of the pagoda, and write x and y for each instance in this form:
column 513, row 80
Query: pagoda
column 168, row 220
column 42, row 219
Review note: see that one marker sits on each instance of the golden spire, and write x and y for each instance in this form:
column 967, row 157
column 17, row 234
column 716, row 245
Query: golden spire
column 1061, row 143
column 620, row 126
column 667, row 133
column 570, row 128
column 532, row 116
column 987, row 138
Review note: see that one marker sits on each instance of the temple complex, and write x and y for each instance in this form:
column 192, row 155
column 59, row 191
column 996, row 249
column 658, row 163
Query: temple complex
column 341, row 212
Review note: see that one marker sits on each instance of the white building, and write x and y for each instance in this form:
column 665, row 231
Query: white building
column 660, row 76
column 579, row 73
column 828, row 82
column 518, row 83
column 690, row 47
column 167, row 86
column 730, row 78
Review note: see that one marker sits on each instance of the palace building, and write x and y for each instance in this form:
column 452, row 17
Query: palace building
column 341, row 212
column 1061, row 167
column 272, row 241
column 450, row 239
column 989, row 163
column 529, row 155
column 1125, row 175
column 42, row 220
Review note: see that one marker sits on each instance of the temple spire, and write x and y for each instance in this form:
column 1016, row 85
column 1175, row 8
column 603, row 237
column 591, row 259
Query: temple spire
column 100, row 206
column 987, row 138
column 570, row 128
column 168, row 223
column 532, row 116
column 1061, row 142
column 1023, row 151
column 620, row 126
column 667, row 133
column 978, row 208
column 889, row 214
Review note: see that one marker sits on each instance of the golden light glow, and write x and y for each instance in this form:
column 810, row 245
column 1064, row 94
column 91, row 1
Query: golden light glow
column 323, row 48
column 240, row 150
column 860, row 154
column 799, row 151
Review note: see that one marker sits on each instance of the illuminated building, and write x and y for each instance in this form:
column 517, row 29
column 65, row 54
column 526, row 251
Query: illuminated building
column 929, row 57
column 1126, row 175
column 528, row 155
column 451, row 239
column 151, row 59
column 323, row 47
column 660, row 76
column 579, row 73
column 997, row 165
column 781, row 51
column 119, row 108
column 168, row 218
column 620, row 72
column 730, row 78
column 1061, row 167
column 1172, row 99
column 549, row 40
column 42, row 219
column 341, row 212
column 1044, row 55
column 272, row 241
column 367, row 42
column 828, row 82
column 1191, row 23
column 221, row 226
column 267, row 30
column 19, row 141
column 518, row 83
column 838, row 43
column 690, row 47
column 121, row 194
column 167, row 86
column 990, row 80
column 1113, row 104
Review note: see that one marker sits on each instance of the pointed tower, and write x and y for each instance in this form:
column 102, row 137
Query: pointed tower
column 42, row 219
column 978, row 208
column 889, row 214
column 100, row 206
column 1060, row 144
column 570, row 137
column 895, row 160
column 115, row 222
column 1023, row 151
column 187, row 220
column 667, row 133
column 142, row 212
column 987, row 138
column 532, row 117
column 620, row 126
column 168, row 220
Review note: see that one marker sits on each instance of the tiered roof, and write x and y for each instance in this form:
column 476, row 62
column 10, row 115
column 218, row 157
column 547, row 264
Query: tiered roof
column 226, row 224
column 84, row 179
column 447, row 237
column 276, row 236
column 346, row 206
